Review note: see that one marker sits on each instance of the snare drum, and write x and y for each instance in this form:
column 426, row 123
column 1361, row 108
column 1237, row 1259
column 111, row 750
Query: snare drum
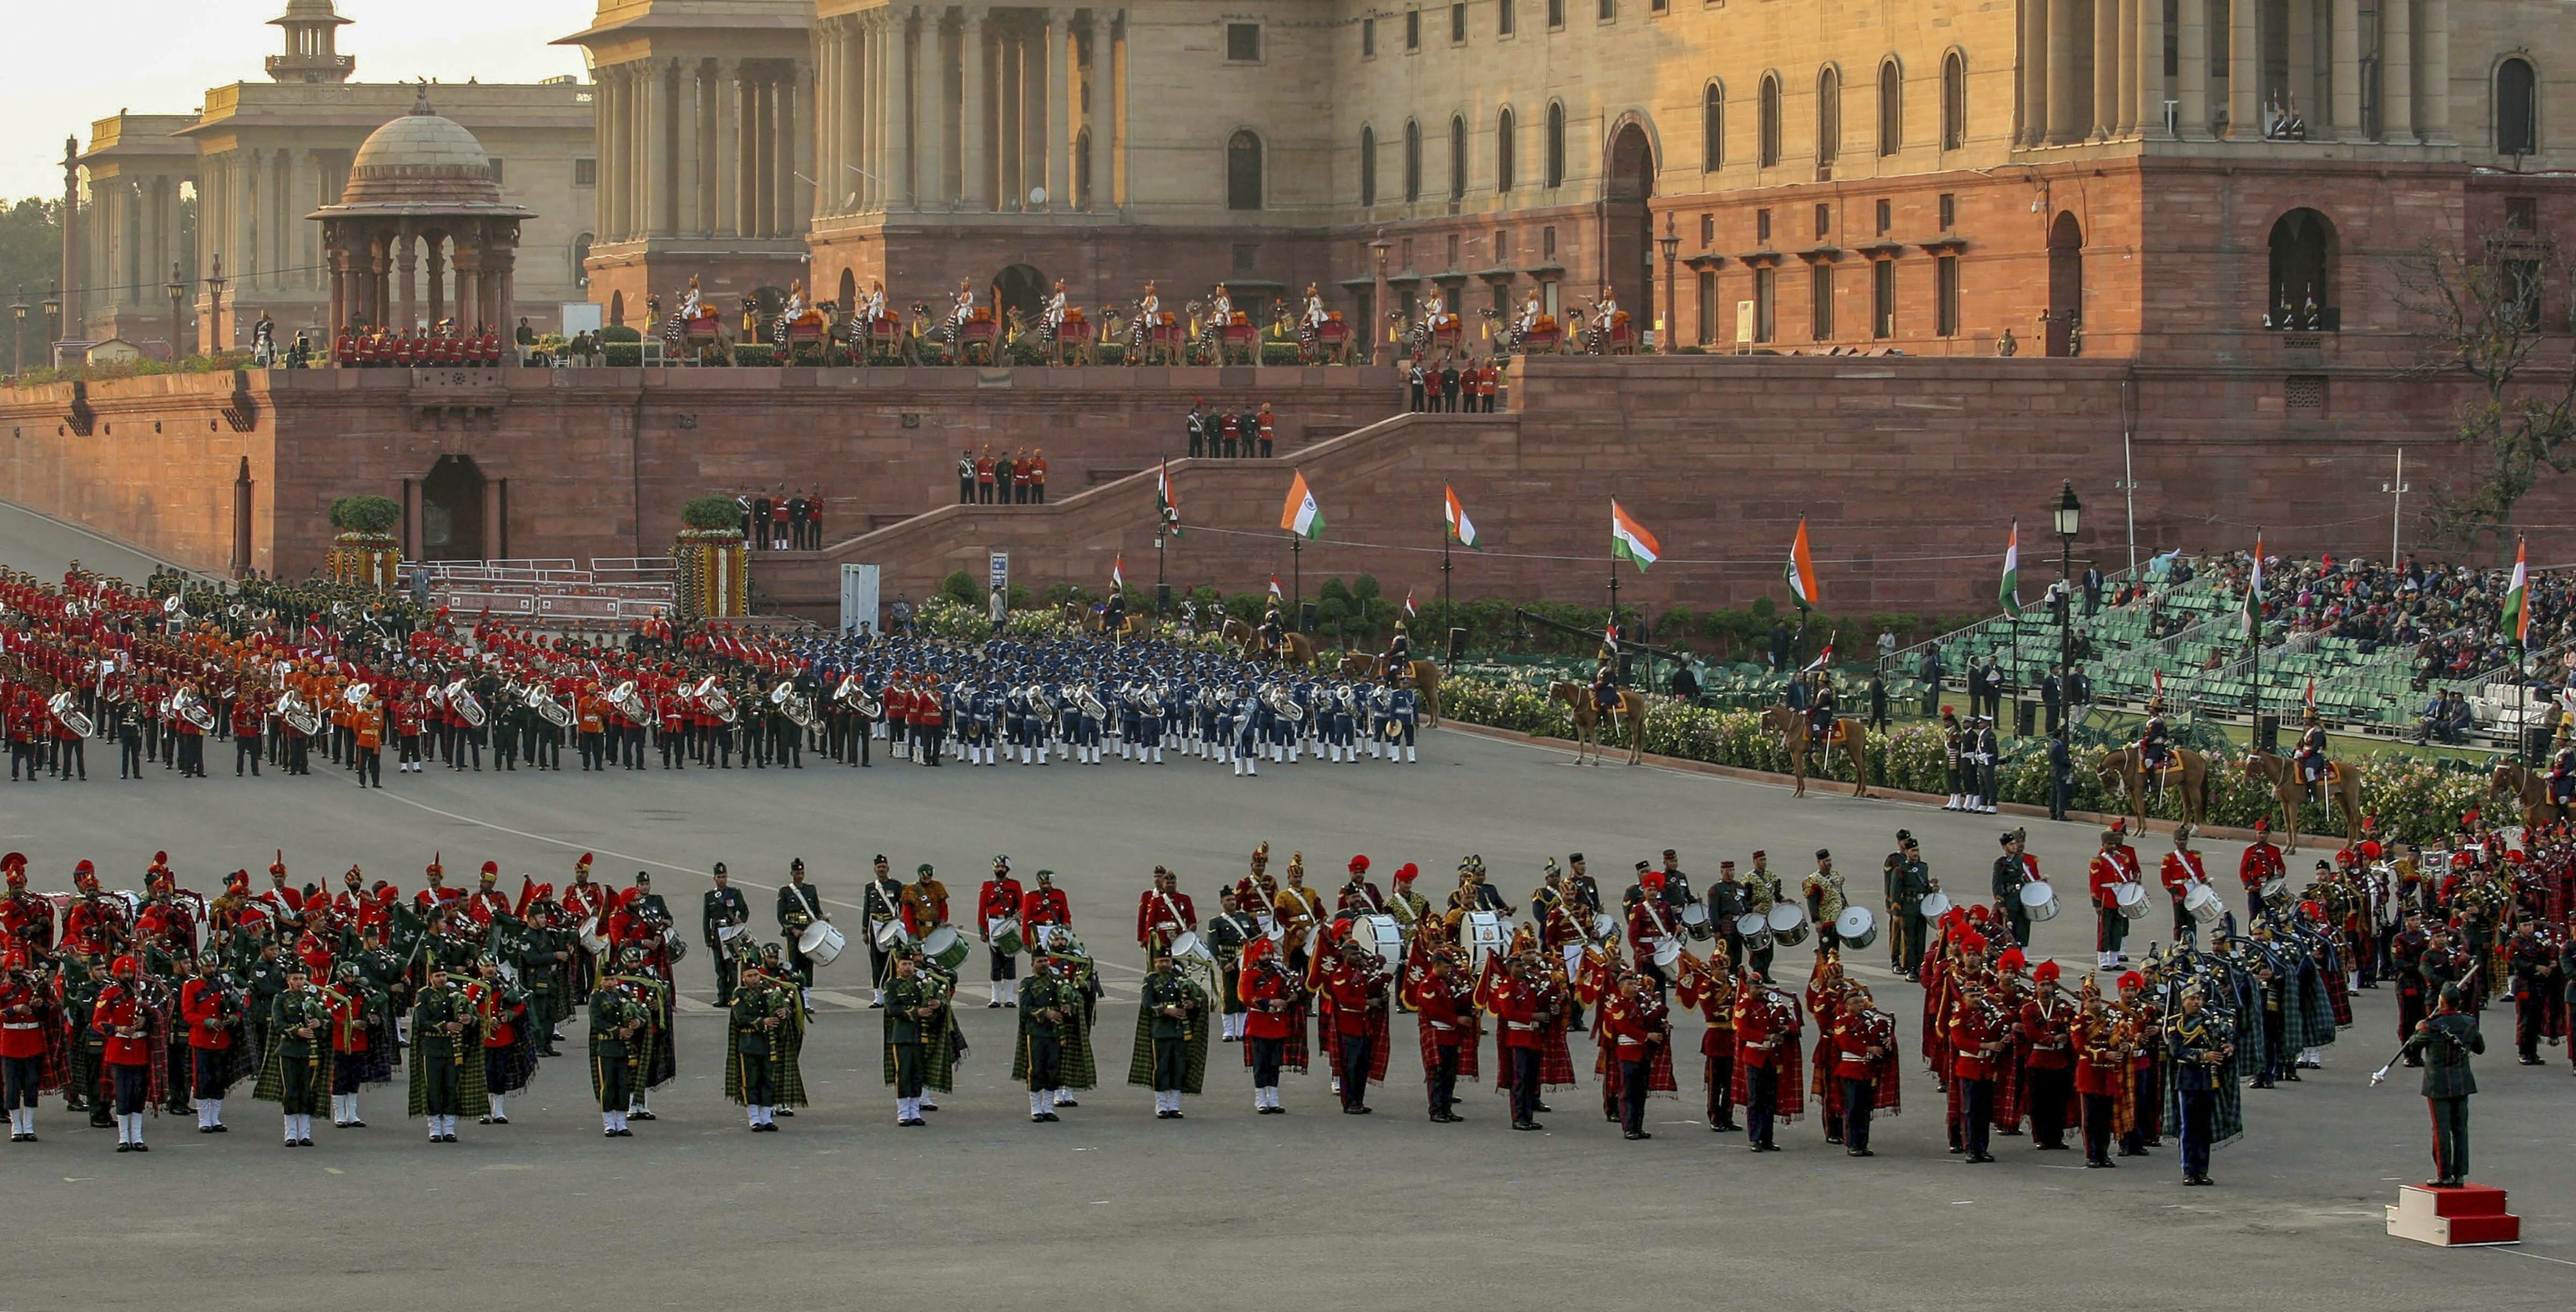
column 1668, row 952
column 1006, row 936
column 2201, row 901
column 2131, row 899
column 1696, row 923
column 2275, row 888
column 1788, row 922
column 1936, row 904
column 890, row 935
column 2039, row 900
column 946, row 948
column 1754, row 929
column 822, row 941
column 1605, row 925
column 1857, row 926
column 1188, row 946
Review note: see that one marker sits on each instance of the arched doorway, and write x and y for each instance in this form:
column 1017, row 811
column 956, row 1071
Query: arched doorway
column 1628, row 188
column 2301, row 293
column 849, row 293
column 2065, row 282
column 1020, row 288
column 451, row 510
column 617, row 309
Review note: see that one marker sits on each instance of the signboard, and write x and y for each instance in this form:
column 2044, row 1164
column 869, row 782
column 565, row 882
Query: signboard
column 1744, row 323
column 999, row 576
column 859, row 593
column 581, row 317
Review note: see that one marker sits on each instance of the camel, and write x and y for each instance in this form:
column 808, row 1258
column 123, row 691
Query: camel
column 2122, row 767
column 1577, row 699
column 1790, row 727
column 2529, row 787
column 2342, row 785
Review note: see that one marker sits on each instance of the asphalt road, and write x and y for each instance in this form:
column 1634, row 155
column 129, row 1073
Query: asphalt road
column 45, row 547
column 985, row 1206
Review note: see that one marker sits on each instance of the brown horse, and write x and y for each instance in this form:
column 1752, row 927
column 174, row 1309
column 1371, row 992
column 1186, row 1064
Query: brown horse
column 1790, row 727
column 2342, row 786
column 2124, row 767
column 1298, row 653
column 2529, row 787
column 1424, row 676
column 1587, row 720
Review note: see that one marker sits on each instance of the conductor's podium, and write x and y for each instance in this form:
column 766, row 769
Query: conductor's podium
column 2471, row 1214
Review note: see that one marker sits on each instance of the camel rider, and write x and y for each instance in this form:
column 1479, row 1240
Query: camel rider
column 2155, row 744
column 1149, row 307
column 794, row 309
column 691, row 303
column 2311, row 753
column 1053, row 316
column 872, row 307
column 2562, row 767
column 1315, row 316
column 1399, row 652
column 1220, row 308
column 1435, row 312
column 1274, row 633
column 1531, row 309
column 964, row 306
column 1606, row 311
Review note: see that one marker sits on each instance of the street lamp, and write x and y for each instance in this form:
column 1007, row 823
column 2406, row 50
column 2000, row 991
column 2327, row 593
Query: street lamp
column 1671, row 241
column 178, row 289
column 2070, row 518
column 1382, row 348
column 18, row 334
column 53, row 316
column 215, row 307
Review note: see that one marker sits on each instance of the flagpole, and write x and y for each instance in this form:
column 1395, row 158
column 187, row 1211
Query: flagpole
column 1614, row 588
column 1448, row 602
column 2254, row 636
column 1296, row 581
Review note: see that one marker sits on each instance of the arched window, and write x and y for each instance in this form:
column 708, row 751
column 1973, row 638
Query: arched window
column 1412, row 161
column 2517, row 109
column 1829, row 117
column 1954, row 101
column 1243, row 172
column 1506, row 150
column 2302, row 271
column 1768, row 111
column 1712, row 128
column 1891, row 109
column 1457, row 156
column 1555, row 144
column 1368, row 166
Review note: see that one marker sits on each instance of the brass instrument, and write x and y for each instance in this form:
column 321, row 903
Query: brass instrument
column 462, row 700
column 64, row 709
column 553, row 712
column 715, row 699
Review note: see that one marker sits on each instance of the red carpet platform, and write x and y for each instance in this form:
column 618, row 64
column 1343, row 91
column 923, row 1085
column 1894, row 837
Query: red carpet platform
column 2466, row 1216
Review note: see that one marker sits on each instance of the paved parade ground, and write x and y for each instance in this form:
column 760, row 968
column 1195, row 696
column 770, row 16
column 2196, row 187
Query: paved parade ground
column 984, row 1206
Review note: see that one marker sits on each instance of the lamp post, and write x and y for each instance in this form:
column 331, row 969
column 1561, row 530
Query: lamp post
column 215, row 307
column 53, row 317
column 18, row 334
column 1671, row 241
column 2070, row 518
column 1381, row 350
column 178, row 289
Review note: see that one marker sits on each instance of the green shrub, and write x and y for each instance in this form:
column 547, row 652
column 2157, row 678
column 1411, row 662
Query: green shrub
column 627, row 356
column 1280, row 353
column 712, row 511
column 961, row 586
column 365, row 514
column 617, row 333
column 754, row 355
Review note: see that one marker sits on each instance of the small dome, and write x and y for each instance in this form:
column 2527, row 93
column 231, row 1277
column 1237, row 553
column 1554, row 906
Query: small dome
column 421, row 157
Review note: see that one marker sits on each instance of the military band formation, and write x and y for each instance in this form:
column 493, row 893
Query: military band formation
column 288, row 674
column 133, row 1004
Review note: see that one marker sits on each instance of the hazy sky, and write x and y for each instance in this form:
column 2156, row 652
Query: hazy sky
column 87, row 59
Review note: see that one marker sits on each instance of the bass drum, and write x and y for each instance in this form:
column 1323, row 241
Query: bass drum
column 1857, row 927
column 1789, row 926
column 821, row 943
column 1382, row 935
column 1187, row 946
column 592, row 940
column 1936, row 904
column 2038, row 901
column 890, row 935
column 1487, row 934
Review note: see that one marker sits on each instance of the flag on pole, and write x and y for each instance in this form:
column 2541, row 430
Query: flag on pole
column 1610, row 636
column 2011, row 594
column 1164, row 506
column 2254, row 593
column 2160, row 683
column 1118, row 572
column 1462, row 530
column 1629, row 540
column 1301, row 516
column 2517, row 599
column 1823, row 659
column 1409, row 611
column 2312, row 692
column 1802, row 570
column 1275, row 593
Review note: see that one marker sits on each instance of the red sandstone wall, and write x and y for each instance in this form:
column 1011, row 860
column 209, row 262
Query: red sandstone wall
column 157, row 469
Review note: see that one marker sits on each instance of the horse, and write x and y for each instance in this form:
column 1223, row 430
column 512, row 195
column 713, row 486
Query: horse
column 1789, row 725
column 2123, row 767
column 1423, row 675
column 1587, row 720
column 2342, row 785
column 2529, row 787
column 1297, row 651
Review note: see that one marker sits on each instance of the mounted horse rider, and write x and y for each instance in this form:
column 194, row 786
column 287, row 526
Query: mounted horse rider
column 2311, row 756
column 2155, row 745
column 2562, row 767
column 1398, row 661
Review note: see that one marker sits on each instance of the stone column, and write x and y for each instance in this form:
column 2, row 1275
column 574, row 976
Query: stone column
column 2437, row 72
column 469, row 288
column 2302, row 87
column 974, row 167
column 1010, row 126
column 923, row 92
column 2346, row 41
column 1118, row 111
column 408, row 305
column 726, row 190
column 2244, row 65
column 2191, row 23
column 688, row 137
column 827, row 43
column 1060, row 119
column 763, row 153
column 433, row 262
column 795, row 149
column 2130, row 119
column 2106, row 67
column 2067, row 121
column 2397, row 74
column 339, row 273
column 657, row 149
column 604, row 121
column 2034, row 70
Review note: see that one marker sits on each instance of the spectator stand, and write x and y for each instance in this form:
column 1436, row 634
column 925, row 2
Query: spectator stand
column 549, row 593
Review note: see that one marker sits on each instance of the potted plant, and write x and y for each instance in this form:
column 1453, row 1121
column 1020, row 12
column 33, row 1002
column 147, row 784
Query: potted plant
column 364, row 550
column 713, row 574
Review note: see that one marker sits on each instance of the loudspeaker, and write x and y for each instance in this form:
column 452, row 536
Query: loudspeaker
column 1305, row 617
column 1457, row 644
column 1162, row 597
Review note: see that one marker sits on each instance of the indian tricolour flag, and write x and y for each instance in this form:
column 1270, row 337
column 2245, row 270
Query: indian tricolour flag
column 1301, row 515
column 2011, row 592
column 1630, row 541
column 1802, row 570
column 2517, row 599
column 1168, row 510
column 1462, row 530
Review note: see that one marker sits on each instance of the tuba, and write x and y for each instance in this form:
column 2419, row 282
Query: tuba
column 716, row 700
column 1282, row 703
column 547, row 708
column 298, row 716
column 623, row 698
column 186, row 706
column 71, row 715
column 1087, row 699
column 856, row 694
column 462, row 700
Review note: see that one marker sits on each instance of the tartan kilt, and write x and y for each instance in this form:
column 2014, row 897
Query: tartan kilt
column 1659, row 1075
column 1467, row 1045
column 1891, row 1099
column 1555, row 1062
column 272, row 1076
column 2339, row 999
column 1077, row 1068
column 1828, row 1091
column 1377, row 1051
column 940, row 1050
column 470, row 1093
column 1140, row 1060
column 790, row 1077
column 2146, row 1099
column 518, row 1063
column 2012, row 1086
column 55, row 1075
column 1793, row 1080
column 1293, row 1053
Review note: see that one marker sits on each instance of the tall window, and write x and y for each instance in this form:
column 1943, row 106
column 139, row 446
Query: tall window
column 1368, row 37
column 1457, row 156
column 2517, row 109
column 1081, row 170
column 1503, row 18
column 1505, row 149
column 1891, row 110
column 1945, row 296
column 1712, row 128
column 1555, row 145
column 1413, row 29
column 1954, row 101
column 1458, row 24
column 1243, row 172
column 1767, row 111
column 1820, row 314
column 1882, row 299
column 1763, row 283
column 1707, row 307
column 1556, row 13
column 1368, row 166
column 1829, row 118
column 1412, row 161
